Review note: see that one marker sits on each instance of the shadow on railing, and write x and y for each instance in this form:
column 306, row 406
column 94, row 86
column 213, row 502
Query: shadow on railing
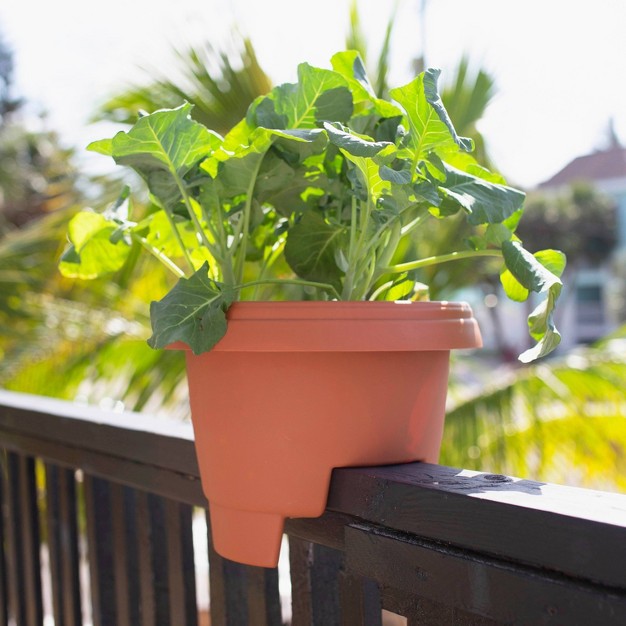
column 103, row 523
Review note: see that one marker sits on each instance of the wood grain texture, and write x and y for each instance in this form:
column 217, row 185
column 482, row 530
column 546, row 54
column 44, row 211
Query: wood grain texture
column 575, row 532
column 475, row 584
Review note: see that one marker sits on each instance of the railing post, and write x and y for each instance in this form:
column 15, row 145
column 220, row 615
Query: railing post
column 4, row 571
column 62, row 530
column 23, row 541
column 100, row 538
column 180, row 558
column 126, row 572
column 360, row 600
column 314, row 582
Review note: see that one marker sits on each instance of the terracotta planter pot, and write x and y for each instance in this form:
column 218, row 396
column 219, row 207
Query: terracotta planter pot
column 295, row 389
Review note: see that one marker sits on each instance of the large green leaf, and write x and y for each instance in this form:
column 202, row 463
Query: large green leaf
column 92, row 252
column 527, row 269
column 359, row 151
column 350, row 65
column 553, row 260
column 429, row 124
column 356, row 145
column 288, row 189
column 319, row 95
column 312, row 248
column 531, row 274
column 485, row 202
column 193, row 312
column 238, row 169
column 162, row 147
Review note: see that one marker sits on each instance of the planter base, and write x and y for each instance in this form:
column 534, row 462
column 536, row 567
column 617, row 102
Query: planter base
column 232, row 528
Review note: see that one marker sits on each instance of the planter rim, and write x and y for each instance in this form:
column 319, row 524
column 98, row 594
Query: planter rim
column 315, row 326
column 359, row 310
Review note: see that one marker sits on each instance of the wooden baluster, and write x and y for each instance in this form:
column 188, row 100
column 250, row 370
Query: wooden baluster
column 62, row 530
column 4, row 599
column 23, row 541
column 360, row 601
column 126, row 571
column 263, row 597
column 314, row 583
column 100, row 539
column 181, row 570
column 145, row 562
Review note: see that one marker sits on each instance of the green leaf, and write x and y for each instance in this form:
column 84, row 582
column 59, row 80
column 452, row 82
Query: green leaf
column 512, row 287
column 103, row 146
column 312, row 248
column 430, row 127
column 161, row 236
column 398, row 177
column 531, row 274
column 167, row 140
column 527, row 269
column 318, row 95
column 92, row 253
column 163, row 147
column 356, row 145
column 350, row 65
column 240, row 167
column 294, row 146
column 553, row 260
column 497, row 234
column 543, row 329
column 193, row 312
column 401, row 289
column 289, row 190
column 368, row 181
column 484, row 202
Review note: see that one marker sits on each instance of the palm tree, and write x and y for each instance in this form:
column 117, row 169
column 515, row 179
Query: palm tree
column 558, row 421
column 220, row 83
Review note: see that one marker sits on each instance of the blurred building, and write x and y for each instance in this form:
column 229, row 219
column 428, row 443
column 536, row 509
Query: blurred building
column 596, row 304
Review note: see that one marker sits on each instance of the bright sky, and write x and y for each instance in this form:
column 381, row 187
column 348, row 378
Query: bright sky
column 560, row 65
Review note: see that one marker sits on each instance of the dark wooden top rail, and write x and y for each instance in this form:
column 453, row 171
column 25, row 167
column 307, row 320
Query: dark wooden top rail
column 464, row 538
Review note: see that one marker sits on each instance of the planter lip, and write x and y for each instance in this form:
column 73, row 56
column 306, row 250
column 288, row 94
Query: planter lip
column 356, row 310
column 314, row 326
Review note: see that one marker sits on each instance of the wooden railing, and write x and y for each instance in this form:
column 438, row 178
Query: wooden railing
column 99, row 523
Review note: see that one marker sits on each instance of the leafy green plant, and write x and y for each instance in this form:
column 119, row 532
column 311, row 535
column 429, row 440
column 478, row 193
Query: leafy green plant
column 320, row 192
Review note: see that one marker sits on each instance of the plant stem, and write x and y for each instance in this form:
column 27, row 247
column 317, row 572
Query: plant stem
column 269, row 261
column 178, row 238
column 413, row 224
column 241, row 259
column 435, row 260
column 194, row 218
column 159, row 255
column 381, row 289
column 358, row 245
column 228, row 275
